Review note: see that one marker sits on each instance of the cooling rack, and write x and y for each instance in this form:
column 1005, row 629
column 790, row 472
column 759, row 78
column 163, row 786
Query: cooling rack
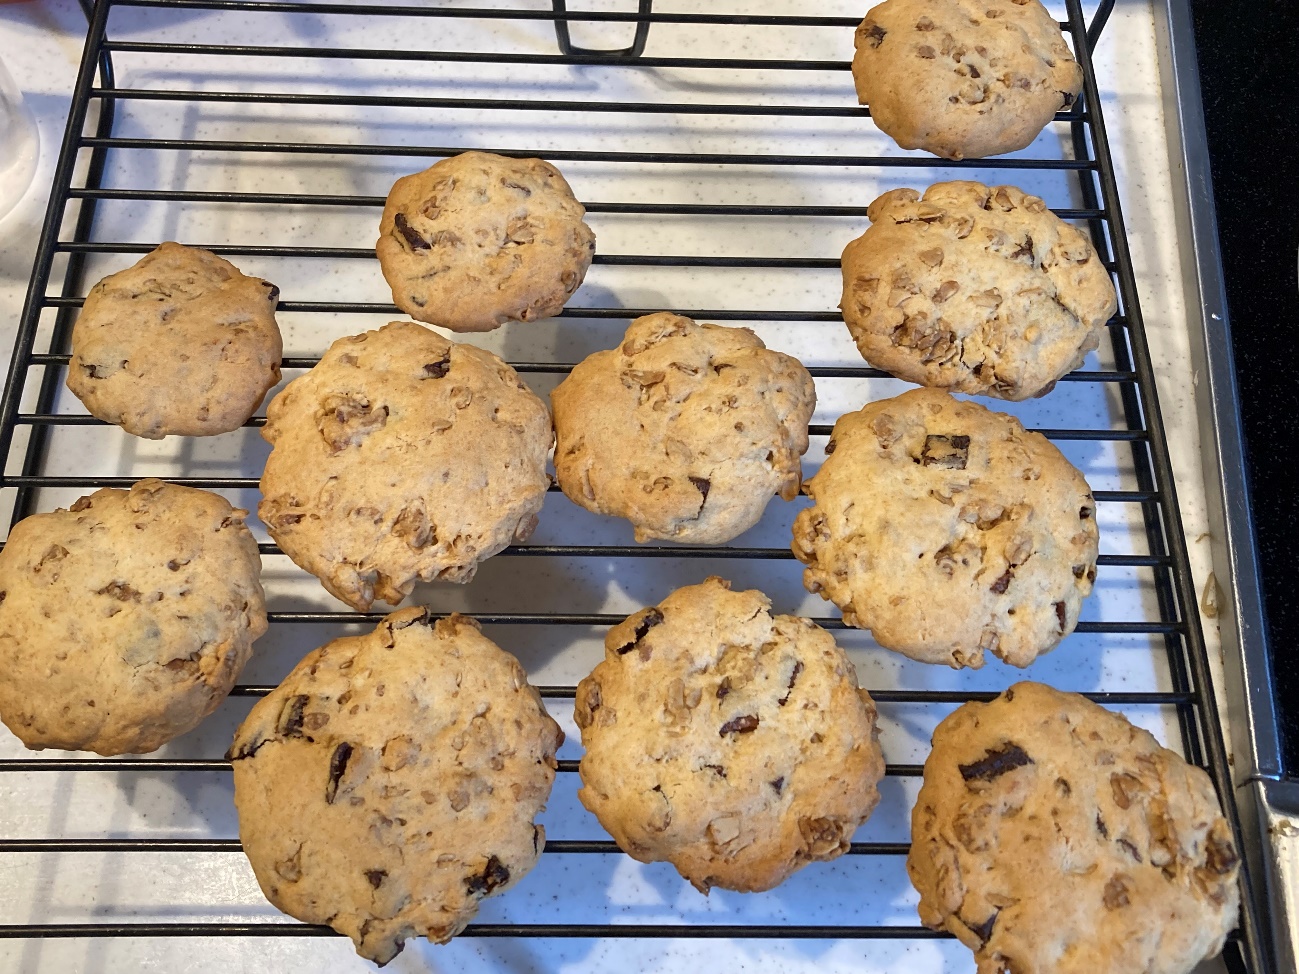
column 724, row 164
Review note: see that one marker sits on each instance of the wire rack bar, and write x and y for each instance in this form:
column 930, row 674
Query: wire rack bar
column 470, row 57
column 514, row 104
column 663, row 551
column 954, row 697
column 598, row 619
column 819, row 371
column 367, row 253
column 247, row 483
column 214, row 764
column 656, row 209
column 565, row 847
column 817, row 429
column 621, row 314
column 538, row 930
column 490, row 13
column 356, row 307
column 583, row 155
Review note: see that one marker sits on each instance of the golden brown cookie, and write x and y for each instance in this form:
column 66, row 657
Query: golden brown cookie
column 1051, row 836
column 125, row 620
column 974, row 288
column 402, row 456
column 480, row 239
column 685, row 429
column 729, row 742
column 948, row 531
column 180, row 343
column 963, row 78
column 390, row 783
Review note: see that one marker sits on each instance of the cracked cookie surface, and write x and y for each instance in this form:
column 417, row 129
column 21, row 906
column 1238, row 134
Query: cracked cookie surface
column 125, row 620
column 1051, row 836
column 390, row 783
column 963, row 78
column 974, row 288
column 402, row 456
column 729, row 742
column 949, row 531
column 685, row 429
column 478, row 239
column 179, row 343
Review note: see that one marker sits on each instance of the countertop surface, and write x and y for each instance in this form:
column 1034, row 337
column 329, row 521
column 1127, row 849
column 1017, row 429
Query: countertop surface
column 40, row 43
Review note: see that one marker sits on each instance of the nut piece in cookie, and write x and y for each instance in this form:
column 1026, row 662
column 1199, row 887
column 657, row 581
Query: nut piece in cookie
column 402, row 456
column 478, row 239
column 974, row 288
column 181, row 343
column 125, row 620
column 949, row 531
column 684, row 429
column 729, row 742
column 390, row 783
column 1050, row 834
column 963, row 78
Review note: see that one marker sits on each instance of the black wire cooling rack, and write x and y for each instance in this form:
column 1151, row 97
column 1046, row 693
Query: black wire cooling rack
column 31, row 418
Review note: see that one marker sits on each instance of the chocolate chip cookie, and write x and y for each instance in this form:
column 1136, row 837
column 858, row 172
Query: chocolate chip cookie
column 125, row 620
column 180, row 343
column 402, row 456
column 478, row 239
column 1052, row 835
column 685, row 429
column 974, row 288
column 963, row 78
column 390, row 783
column 949, row 531
column 729, row 742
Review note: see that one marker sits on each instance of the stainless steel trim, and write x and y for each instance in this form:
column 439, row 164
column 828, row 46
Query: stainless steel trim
column 1251, row 713
column 1253, row 720
column 1277, row 849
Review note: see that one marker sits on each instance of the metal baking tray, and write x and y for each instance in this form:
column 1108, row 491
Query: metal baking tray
column 724, row 164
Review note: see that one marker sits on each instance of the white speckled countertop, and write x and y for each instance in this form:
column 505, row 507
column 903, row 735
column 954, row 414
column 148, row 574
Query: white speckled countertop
column 40, row 42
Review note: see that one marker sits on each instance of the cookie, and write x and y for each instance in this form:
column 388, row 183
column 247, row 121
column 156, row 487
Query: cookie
column 685, row 429
column 729, row 742
column 1051, row 835
column 390, row 783
column 478, row 239
column 948, row 531
column 125, row 620
column 974, row 288
column 963, row 79
column 180, row 343
column 402, row 456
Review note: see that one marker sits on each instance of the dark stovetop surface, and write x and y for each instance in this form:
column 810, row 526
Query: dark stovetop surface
column 1248, row 52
